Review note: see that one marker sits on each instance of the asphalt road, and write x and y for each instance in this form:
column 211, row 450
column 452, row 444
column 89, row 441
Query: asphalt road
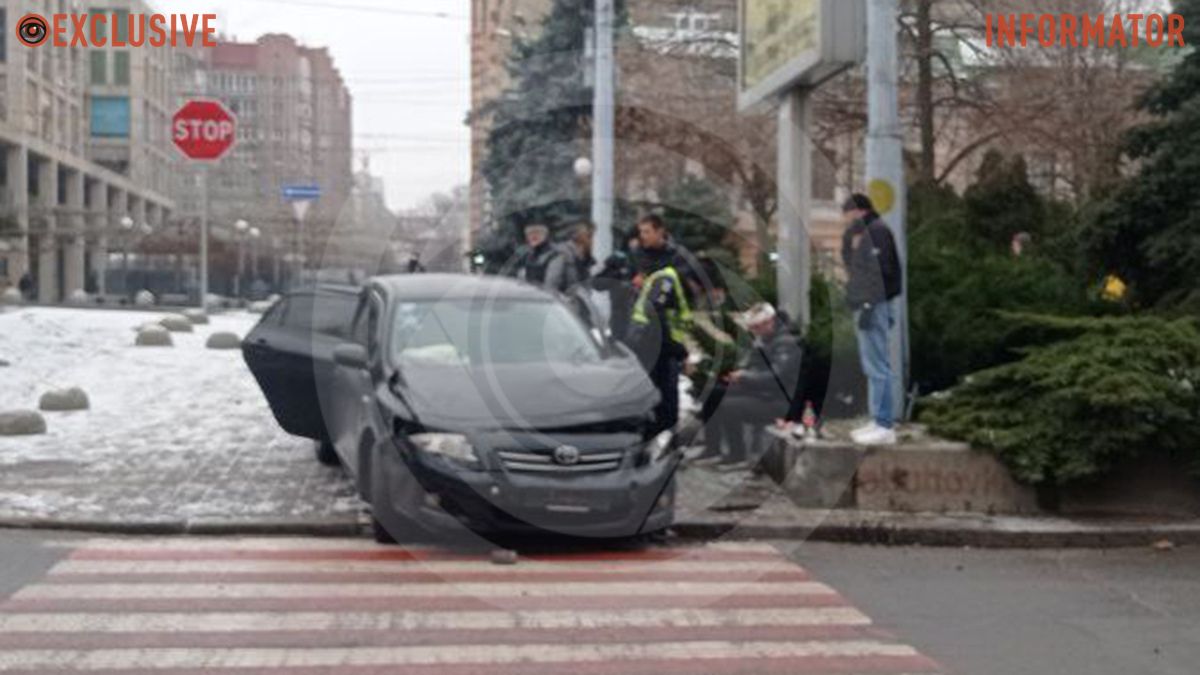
column 1120, row 612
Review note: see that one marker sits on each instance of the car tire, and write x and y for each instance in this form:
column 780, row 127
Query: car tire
column 327, row 455
column 380, row 534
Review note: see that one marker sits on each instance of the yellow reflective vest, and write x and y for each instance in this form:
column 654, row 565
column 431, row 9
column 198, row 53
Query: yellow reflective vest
column 679, row 317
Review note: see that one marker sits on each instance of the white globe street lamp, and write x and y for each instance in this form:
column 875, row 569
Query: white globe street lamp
column 583, row 167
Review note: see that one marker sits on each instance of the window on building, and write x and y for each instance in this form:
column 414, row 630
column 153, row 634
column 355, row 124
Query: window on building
column 121, row 68
column 122, row 17
column 101, row 26
column 110, row 117
column 3, row 34
column 99, row 66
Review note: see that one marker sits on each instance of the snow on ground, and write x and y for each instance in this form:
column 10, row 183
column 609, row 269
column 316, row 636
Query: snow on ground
column 173, row 433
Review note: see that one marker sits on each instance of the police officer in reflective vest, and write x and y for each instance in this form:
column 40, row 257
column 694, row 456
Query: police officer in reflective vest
column 662, row 316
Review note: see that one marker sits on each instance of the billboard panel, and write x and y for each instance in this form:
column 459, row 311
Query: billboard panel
column 775, row 33
column 790, row 43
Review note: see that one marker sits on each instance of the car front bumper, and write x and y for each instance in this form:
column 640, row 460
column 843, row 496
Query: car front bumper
column 637, row 498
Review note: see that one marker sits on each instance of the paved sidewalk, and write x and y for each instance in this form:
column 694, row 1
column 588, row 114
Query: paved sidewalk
column 176, row 439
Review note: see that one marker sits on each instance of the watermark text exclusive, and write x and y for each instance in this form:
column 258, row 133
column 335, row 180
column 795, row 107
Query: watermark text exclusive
column 1084, row 30
column 118, row 30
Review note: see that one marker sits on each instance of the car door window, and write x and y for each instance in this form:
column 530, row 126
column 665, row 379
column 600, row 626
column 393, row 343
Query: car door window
column 329, row 314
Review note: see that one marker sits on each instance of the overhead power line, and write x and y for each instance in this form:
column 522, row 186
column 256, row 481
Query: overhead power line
column 373, row 9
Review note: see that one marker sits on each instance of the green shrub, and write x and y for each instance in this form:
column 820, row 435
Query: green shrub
column 961, row 275
column 1111, row 389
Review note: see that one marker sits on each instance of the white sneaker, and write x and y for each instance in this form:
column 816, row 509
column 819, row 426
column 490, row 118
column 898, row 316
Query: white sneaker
column 864, row 431
column 877, row 436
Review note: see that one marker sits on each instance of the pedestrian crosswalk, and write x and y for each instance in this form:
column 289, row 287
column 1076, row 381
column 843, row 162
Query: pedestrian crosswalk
column 315, row 606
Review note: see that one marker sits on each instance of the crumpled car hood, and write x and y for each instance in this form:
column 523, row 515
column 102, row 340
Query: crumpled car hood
column 529, row 396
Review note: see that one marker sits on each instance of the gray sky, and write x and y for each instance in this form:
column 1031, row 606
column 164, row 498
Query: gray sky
column 409, row 75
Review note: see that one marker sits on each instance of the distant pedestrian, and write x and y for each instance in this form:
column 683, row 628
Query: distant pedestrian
column 25, row 286
column 583, row 237
column 875, row 279
column 539, row 262
column 615, row 279
column 415, row 266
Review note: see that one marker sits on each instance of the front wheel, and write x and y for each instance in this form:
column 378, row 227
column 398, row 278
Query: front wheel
column 327, row 455
column 380, row 533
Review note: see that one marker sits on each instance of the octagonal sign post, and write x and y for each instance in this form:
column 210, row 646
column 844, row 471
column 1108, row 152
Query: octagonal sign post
column 204, row 131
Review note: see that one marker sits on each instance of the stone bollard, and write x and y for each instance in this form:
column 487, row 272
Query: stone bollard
column 11, row 296
column 22, row 423
column 64, row 400
column 144, row 299
column 154, row 336
column 198, row 317
column 223, row 341
column 176, row 323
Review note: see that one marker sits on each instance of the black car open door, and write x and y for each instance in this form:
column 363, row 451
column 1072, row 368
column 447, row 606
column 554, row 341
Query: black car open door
column 290, row 353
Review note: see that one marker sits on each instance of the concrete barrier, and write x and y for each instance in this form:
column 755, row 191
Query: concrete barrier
column 924, row 476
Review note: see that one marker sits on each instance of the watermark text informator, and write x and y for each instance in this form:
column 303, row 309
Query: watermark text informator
column 100, row 29
column 1085, row 30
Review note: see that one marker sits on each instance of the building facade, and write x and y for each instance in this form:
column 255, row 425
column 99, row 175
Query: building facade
column 85, row 155
column 294, row 117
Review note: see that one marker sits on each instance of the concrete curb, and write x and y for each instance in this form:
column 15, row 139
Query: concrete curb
column 283, row 528
column 882, row 530
column 895, row 532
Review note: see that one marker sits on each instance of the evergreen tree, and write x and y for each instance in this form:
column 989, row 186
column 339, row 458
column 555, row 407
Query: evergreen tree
column 1149, row 232
column 1002, row 202
column 541, row 124
column 699, row 214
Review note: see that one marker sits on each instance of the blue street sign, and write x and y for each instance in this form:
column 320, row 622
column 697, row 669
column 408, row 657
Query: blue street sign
column 301, row 193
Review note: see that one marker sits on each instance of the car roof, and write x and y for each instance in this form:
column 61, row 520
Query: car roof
column 326, row 289
column 457, row 286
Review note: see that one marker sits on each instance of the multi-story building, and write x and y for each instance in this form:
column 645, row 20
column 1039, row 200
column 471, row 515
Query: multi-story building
column 494, row 25
column 85, row 154
column 294, row 128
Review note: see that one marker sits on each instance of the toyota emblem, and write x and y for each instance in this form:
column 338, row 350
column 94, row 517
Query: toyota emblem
column 566, row 455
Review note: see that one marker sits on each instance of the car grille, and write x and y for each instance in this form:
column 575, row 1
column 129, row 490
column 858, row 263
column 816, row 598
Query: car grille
column 542, row 461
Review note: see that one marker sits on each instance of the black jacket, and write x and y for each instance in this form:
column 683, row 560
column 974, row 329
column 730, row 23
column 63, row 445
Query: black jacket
column 771, row 368
column 873, row 263
column 541, row 266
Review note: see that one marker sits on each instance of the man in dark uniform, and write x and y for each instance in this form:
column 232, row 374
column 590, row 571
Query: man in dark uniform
column 662, row 316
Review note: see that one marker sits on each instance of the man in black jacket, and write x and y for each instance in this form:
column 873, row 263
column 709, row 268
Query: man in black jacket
column 760, row 391
column 875, row 279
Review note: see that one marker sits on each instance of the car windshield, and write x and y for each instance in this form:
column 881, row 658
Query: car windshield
column 474, row 332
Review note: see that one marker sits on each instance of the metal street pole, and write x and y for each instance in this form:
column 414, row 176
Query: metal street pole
column 204, row 237
column 885, row 162
column 603, row 124
column 794, row 276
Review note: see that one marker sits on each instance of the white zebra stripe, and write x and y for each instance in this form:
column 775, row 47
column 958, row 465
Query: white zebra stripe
column 616, row 567
column 449, row 589
column 235, row 622
column 212, row 659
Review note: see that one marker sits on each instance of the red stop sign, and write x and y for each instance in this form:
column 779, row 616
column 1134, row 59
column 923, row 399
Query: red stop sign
column 204, row 130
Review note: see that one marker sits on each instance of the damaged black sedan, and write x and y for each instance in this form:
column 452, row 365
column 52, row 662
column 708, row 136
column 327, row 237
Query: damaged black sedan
column 480, row 404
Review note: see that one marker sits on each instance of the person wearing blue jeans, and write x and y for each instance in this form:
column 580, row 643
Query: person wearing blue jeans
column 875, row 279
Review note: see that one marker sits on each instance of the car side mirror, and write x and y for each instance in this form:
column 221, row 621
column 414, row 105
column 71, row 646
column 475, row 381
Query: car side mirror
column 351, row 355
